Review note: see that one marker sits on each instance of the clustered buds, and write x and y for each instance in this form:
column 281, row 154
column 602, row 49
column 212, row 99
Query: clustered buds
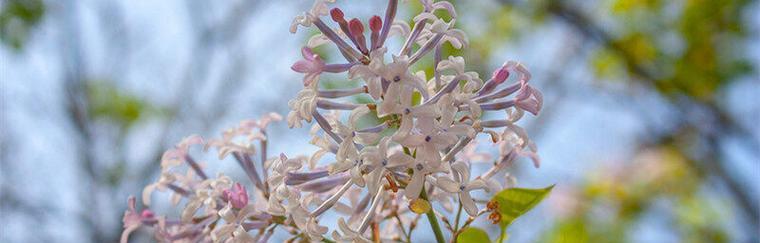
column 378, row 165
column 493, row 207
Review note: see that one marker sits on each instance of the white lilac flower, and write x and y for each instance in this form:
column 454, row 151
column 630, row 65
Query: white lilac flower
column 236, row 222
column 371, row 73
column 301, row 107
column 436, row 134
column 424, row 139
column 307, row 18
column 240, row 140
column 381, row 161
column 457, row 65
column 514, row 138
column 280, row 168
column 172, row 178
column 347, row 234
column 421, row 169
column 206, row 196
column 421, row 113
column 401, row 85
column 174, row 157
column 462, row 185
column 133, row 220
column 456, row 37
column 315, row 231
column 348, row 156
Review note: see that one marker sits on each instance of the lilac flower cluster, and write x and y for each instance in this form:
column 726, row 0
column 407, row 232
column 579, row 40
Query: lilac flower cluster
column 421, row 152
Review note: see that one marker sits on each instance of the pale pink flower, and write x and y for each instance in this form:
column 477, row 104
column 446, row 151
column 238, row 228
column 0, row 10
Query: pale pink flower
column 529, row 99
column 311, row 65
column 133, row 220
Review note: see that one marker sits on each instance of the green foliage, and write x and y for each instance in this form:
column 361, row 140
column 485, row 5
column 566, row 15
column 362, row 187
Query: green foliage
column 621, row 6
column 110, row 103
column 570, row 231
column 698, row 221
column 115, row 174
column 706, row 57
column 606, row 64
column 627, row 192
column 473, row 235
column 514, row 202
column 17, row 19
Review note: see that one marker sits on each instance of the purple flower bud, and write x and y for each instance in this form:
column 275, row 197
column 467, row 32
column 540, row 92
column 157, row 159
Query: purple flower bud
column 238, row 197
column 375, row 23
column 499, row 75
column 147, row 214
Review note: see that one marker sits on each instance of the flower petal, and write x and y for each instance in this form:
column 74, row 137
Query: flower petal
column 447, row 184
column 468, row 204
column 414, row 187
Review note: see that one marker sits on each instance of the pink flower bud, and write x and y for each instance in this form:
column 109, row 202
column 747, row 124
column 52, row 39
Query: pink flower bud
column 356, row 27
column 337, row 15
column 499, row 75
column 147, row 214
column 375, row 23
column 238, row 197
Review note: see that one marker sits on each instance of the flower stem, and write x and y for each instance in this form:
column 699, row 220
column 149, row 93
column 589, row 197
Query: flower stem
column 456, row 220
column 325, row 240
column 433, row 220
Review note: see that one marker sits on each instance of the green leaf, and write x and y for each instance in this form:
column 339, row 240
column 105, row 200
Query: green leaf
column 514, row 202
column 569, row 230
column 115, row 105
column 17, row 20
column 473, row 235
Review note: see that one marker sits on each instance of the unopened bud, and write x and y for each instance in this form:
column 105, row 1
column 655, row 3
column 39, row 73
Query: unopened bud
column 238, row 197
column 492, row 205
column 494, row 217
column 356, row 27
column 146, row 214
column 337, row 15
column 375, row 23
column 419, row 206
column 499, row 75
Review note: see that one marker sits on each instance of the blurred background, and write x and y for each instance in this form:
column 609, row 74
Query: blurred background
column 650, row 128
